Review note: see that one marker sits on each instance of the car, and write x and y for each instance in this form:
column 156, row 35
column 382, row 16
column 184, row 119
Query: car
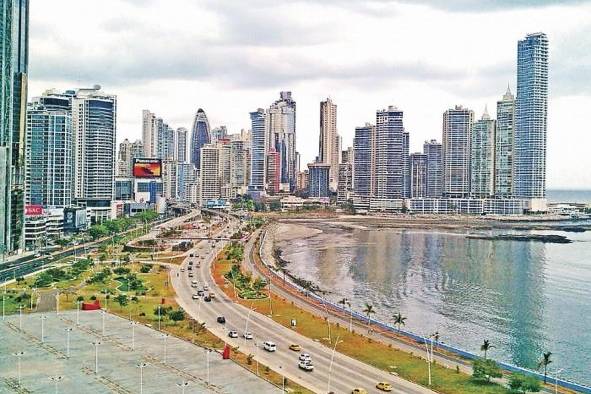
column 207, row 299
column 190, row 274
column 200, row 293
column 247, row 335
column 37, row 254
column 182, row 270
column 269, row 346
column 295, row 347
column 384, row 386
column 190, row 268
column 190, row 262
column 211, row 295
column 221, row 319
column 358, row 390
column 306, row 366
column 194, row 285
column 305, row 357
column 195, row 296
column 205, row 288
column 192, row 255
column 233, row 334
column 50, row 257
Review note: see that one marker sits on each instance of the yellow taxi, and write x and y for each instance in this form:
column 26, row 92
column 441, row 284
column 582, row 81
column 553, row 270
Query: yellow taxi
column 384, row 386
column 295, row 347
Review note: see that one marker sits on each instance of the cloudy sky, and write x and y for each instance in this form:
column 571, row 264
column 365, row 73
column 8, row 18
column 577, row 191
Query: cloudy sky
column 231, row 57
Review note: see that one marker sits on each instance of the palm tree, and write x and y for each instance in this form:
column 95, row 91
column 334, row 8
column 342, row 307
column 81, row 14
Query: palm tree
column 485, row 347
column 399, row 320
column 545, row 361
column 368, row 311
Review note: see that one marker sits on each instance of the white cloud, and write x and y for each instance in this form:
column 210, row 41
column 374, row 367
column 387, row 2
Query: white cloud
column 231, row 57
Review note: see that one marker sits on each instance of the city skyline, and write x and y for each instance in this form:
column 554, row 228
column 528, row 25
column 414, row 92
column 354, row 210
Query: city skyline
column 474, row 76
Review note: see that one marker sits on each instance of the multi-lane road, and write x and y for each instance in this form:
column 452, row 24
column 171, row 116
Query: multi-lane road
column 343, row 376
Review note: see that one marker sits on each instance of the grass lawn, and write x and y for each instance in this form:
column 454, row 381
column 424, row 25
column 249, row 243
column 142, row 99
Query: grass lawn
column 406, row 365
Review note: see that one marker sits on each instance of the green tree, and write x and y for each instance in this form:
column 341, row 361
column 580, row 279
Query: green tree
column 177, row 315
column 484, row 370
column 519, row 383
column 122, row 300
column 98, row 231
column 544, row 362
column 369, row 310
column 485, row 347
column 399, row 320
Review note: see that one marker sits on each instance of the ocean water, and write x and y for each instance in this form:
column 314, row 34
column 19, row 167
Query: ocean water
column 574, row 196
column 526, row 298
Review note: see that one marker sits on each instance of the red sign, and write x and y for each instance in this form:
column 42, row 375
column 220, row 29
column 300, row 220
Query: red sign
column 33, row 210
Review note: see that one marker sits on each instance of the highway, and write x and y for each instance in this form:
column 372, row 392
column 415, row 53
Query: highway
column 346, row 374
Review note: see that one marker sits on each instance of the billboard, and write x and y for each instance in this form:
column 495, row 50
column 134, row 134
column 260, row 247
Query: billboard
column 33, row 210
column 147, row 168
column 74, row 219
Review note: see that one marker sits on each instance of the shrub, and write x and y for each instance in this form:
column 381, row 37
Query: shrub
column 484, row 370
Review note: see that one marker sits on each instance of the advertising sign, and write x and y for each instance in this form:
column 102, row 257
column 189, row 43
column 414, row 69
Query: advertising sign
column 147, row 168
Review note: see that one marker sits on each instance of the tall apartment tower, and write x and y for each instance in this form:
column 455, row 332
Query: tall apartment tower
column 391, row 155
column 180, row 149
column 329, row 145
column 482, row 161
column 531, row 110
column 364, row 161
column 418, row 175
column 49, row 157
column 149, row 133
column 14, row 59
column 457, row 129
column 258, row 149
column 209, row 174
column 318, row 180
column 433, row 150
column 504, row 145
column 200, row 136
column 127, row 152
column 281, row 129
column 94, row 120
column 345, row 181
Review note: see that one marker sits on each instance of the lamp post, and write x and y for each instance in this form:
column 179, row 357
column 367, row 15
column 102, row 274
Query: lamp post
column 96, row 346
column 68, row 331
column 103, row 312
column 331, row 361
column 164, row 338
column 246, row 324
column 32, row 292
column 18, row 365
column 20, row 317
column 57, row 303
column 556, row 380
column 133, row 324
column 182, row 385
column 77, row 313
column 429, row 355
column 207, row 351
column 43, row 317
column 56, row 379
column 141, row 366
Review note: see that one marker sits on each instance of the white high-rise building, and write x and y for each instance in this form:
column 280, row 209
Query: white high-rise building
column 391, row 155
column 418, row 175
column 329, row 146
column 433, row 150
column 281, row 135
column 181, row 146
column 150, row 133
column 127, row 152
column 457, row 129
column 504, row 145
column 482, row 160
column 209, row 173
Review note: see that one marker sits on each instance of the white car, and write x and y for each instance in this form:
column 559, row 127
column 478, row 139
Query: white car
column 269, row 346
column 233, row 334
column 205, row 288
column 195, row 296
column 247, row 335
column 305, row 357
column 182, row 270
column 306, row 366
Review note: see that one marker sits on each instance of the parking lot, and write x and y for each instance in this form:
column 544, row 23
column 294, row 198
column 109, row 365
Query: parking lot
column 126, row 359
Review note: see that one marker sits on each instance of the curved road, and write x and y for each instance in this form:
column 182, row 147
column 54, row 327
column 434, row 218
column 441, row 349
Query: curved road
column 346, row 374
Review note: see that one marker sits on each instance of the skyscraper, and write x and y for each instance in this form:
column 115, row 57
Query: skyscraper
column 391, row 155
column 199, row 137
column 281, row 128
column 318, row 179
column 329, row 145
column 94, row 121
column 457, row 128
column 531, row 109
column 181, row 145
column 433, row 150
column 482, row 157
column 150, row 133
column 209, row 173
column 14, row 58
column 258, row 148
column 504, row 145
column 49, row 157
column 363, row 161
column 418, row 175
column 127, row 152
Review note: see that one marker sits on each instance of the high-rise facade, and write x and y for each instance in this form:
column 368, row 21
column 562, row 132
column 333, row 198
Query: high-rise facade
column 127, row 152
column 364, row 161
column 345, row 181
column 418, row 175
column 273, row 171
column 258, row 149
column 150, row 133
column 239, row 165
column 281, row 135
column 391, row 155
column 49, row 157
column 433, row 150
column 329, row 145
column 457, row 129
column 504, row 145
column 14, row 47
column 318, row 180
column 531, row 109
column 94, row 120
column 199, row 137
column 482, row 160
column 209, row 173
column 180, row 148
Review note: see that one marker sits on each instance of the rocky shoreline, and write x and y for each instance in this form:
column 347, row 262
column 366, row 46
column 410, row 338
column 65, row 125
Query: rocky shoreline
column 549, row 238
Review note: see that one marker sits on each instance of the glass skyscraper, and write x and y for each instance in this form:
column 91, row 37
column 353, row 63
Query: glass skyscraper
column 504, row 145
column 256, row 186
column 199, row 137
column 531, row 108
column 14, row 42
column 457, row 129
column 482, row 152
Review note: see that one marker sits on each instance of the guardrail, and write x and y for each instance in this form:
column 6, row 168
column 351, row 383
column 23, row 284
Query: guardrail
column 420, row 339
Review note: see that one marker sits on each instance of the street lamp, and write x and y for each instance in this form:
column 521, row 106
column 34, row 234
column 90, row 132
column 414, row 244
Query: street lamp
column 429, row 355
column 103, row 312
column 43, row 317
column 68, row 331
column 78, row 313
column 57, row 303
column 164, row 338
column 133, row 324
column 141, row 366
column 20, row 317
column 56, row 380
column 18, row 356
column 556, row 380
column 32, row 292
column 96, row 346
column 182, row 386
column 207, row 351
column 247, row 319
column 331, row 361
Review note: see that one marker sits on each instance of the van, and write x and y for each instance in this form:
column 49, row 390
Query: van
column 269, row 346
